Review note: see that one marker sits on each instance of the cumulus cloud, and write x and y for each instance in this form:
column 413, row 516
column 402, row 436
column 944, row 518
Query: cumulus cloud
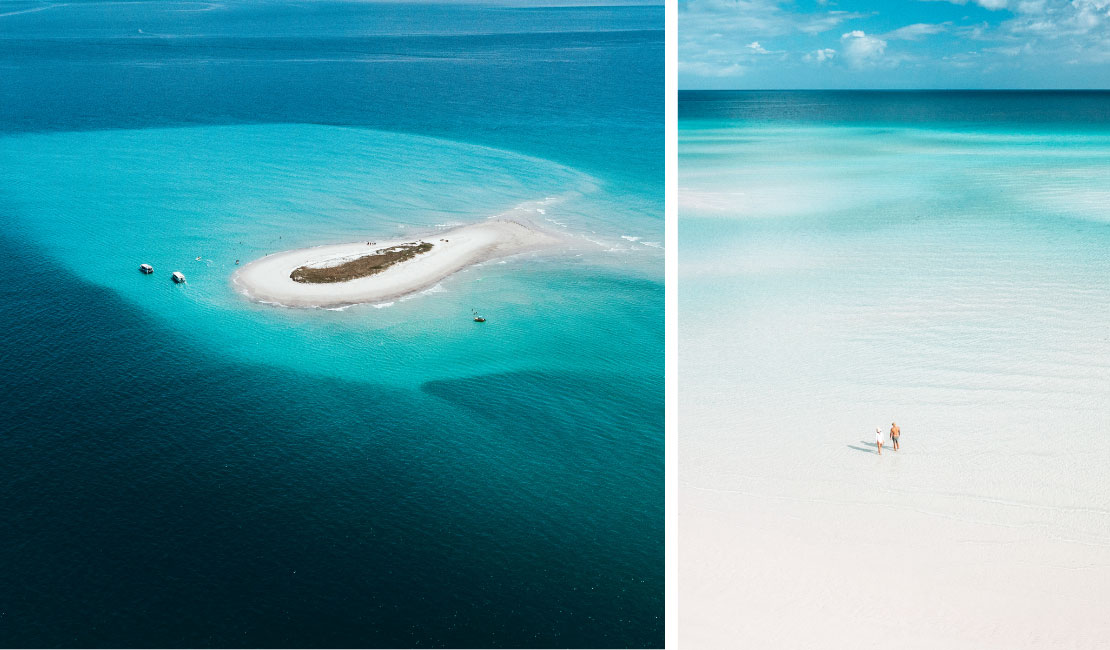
column 1076, row 18
column 861, row 50
column 1010, row 38
column 820, row 56
column 1090, row 13
column 720, row 38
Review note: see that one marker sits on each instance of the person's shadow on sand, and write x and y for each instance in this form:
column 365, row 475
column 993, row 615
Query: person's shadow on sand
column 870, row 449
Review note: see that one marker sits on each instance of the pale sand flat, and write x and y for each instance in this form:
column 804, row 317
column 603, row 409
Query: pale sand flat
column 784, row 573
column 267, row 279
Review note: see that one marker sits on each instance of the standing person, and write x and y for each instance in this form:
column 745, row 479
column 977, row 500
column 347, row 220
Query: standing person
column 894, row 433
column 879, row 440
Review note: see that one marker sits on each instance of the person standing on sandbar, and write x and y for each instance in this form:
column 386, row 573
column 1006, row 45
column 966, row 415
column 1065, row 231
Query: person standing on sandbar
column 894, row 433
column 879, row 440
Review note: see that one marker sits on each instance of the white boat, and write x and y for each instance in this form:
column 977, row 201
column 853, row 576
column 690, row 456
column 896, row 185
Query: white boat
column 178, row 277
column 146, row 268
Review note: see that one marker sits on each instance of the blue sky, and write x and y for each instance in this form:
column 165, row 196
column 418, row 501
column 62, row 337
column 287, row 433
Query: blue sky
column 894, row 44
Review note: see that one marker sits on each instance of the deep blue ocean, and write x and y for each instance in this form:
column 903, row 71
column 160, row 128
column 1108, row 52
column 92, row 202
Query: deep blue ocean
column 974, row 109
column 181, row 467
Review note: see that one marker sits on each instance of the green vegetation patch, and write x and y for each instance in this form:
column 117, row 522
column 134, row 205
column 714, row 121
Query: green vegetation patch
column 361, row 267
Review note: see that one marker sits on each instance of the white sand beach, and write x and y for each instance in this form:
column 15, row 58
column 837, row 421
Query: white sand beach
column 990, row 528
column 758, row 571
column 268, row 279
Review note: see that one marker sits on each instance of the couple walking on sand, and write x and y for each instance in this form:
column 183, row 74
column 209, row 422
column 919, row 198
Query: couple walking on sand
column 895, row 432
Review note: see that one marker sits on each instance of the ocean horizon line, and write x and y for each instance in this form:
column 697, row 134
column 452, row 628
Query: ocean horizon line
column 899, row 90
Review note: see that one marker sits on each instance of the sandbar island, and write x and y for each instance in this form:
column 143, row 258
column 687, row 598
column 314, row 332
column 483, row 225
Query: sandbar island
column 360, row 272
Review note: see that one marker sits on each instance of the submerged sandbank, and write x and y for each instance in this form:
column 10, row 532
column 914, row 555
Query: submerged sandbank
column 268, row 279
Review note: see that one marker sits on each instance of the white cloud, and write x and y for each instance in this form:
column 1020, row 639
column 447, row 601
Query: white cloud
column 915, row 32
column 1076, row 18
column 1089, row 13
column 861, row 50
column 777, row 39
column 1012, row 50
column 820, row 56
column 818, row 23
column 721, row 38
column 993, row 5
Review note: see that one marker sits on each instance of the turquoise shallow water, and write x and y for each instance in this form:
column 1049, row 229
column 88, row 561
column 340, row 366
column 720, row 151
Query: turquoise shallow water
column 102, row 202
column 181, row 467
column 852, row 259
column 945, row 274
